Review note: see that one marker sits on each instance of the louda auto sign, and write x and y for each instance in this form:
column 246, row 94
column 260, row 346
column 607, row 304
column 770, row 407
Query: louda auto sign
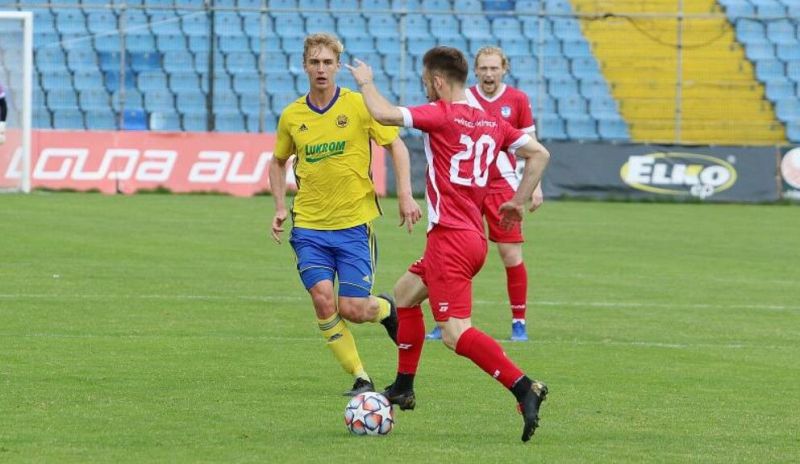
column 678, row 174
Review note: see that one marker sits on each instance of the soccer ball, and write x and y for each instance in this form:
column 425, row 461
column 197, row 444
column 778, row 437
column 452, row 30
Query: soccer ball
column 369, row 413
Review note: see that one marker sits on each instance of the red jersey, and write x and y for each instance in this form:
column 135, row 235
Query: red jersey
column 513, row 106
column 461, row 143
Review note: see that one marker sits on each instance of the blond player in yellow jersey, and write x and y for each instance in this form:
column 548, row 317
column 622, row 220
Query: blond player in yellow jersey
column 329, row 130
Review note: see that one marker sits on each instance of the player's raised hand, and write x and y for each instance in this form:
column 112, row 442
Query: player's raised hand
column 277, row 224
column 510, row 214
column 409, row 212
column 361, row 72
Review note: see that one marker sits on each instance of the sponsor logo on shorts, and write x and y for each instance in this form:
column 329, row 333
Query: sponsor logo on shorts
column 675, row 173
column 443, row 307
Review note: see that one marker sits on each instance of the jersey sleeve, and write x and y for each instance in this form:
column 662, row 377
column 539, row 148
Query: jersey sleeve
column 284, row 145
column 383, row 135
column 526, row 121
column 423, row 117
column 513, row 138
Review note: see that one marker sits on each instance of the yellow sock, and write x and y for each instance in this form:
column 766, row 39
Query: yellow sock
column 384, row 309
column 342, row 344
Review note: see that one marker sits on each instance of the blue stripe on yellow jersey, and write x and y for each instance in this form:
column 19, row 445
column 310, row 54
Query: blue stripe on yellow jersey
column 334, row 157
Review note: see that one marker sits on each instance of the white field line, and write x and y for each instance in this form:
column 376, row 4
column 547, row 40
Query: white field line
column 302, row 298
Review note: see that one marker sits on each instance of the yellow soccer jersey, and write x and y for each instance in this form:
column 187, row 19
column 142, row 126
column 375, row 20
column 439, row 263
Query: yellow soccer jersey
column 333, row 166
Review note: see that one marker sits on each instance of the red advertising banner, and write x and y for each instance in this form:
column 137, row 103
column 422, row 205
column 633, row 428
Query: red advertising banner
column 125, row 162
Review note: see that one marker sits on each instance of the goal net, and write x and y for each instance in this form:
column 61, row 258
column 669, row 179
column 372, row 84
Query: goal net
column 16, row 79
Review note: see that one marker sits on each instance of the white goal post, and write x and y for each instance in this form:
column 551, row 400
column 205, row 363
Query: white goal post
column 16, row 77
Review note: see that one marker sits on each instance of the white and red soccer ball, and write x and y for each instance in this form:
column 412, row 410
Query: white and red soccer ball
column 369, row 413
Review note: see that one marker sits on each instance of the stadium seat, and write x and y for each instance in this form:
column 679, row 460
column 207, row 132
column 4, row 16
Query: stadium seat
column 769, row 69
column 151, row 80
column 184, row 81
column 171, row 43
column 101, row 22
column 165, row 121
column 382, row 26
column 270, row 122
column 141, row 42
column 555, row 67
column 70, row 21
column 100, row 119
column 94, row 99
column 165, row 22
column 581, row 128
column 788, row 109
column 371, row 6
column 229, row 121
column 82, row 60
column 613, row 130
column 603, row 108
column 444, row 27
column 576, row 48
column 550, row 126
column 779, row 89
column 134, row 119
column 159, row 100
column 246, row 83
column 793, row 131
column 788, row 52
column 351, row 25
column 436, row 5
column 225, row 101
column 132, row 99
column 190, row 102
column 88, row 79
column 416, row 26
column 175, row 61
column 227, row 23
column 527, row 6
column 476, row 28
column 289, row 24
column 571, row 107
column 195, row 24
column 585, row 68
column 562, row 87
column 305, row 5
column 319, row 22
column 594, row 87
column 62, row 98
column 195, row 122
column 781, row 32
column 50, row 59
column 68, row 118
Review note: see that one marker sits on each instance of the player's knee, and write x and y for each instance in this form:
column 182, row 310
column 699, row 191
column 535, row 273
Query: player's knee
column 354, row 309
column 323, row 300
column 511, row 254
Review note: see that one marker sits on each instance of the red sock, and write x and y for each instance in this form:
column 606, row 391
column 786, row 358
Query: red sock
column 488, row 355
column 410, row 338
column 517, row 284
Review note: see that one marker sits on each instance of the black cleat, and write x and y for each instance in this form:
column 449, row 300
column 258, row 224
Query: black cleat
column 529, row 408
column 405, row 400
column 361, row 386
column 390, row 322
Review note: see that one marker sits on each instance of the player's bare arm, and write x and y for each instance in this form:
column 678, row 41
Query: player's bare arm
column 277, row 183
column 536, row 158
column 377, row 105
column 410, row 212
column 538, row 196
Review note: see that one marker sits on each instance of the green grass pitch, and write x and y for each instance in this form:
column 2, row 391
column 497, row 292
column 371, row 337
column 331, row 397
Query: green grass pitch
column 161, row 328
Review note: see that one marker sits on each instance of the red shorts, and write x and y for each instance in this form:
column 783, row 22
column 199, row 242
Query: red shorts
column 452, row 258
column 489, row 208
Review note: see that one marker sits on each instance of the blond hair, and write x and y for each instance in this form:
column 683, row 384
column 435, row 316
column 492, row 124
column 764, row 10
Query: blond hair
column 323, row 39
column 490, row 50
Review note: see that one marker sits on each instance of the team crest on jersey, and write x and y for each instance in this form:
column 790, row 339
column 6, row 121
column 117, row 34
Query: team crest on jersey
column 303, row 127
column 341, row 121
column 505, row 111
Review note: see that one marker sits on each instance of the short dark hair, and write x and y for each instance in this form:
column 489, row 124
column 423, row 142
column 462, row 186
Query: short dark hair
column 448, row 61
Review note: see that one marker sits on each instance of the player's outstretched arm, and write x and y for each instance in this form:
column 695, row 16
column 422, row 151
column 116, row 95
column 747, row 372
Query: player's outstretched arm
column 277, row 183
column 377, row 105
column 409, row 209
column 536, row 158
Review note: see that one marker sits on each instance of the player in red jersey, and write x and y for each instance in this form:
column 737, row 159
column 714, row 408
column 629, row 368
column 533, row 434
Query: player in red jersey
column 512, row 105
column 461, row 143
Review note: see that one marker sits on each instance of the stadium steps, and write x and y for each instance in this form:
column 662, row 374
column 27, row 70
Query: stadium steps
column 721, row 102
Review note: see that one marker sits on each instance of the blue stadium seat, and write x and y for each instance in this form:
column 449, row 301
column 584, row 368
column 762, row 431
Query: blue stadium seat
column 550, row 126
column 416, row 26
column 515, row 46
column 100, row 119
column 436, row 5
column 289, row 24
column 383, row 26
column 101, row 22
column 585, row 68
column 82, row 60
column 793, row 71
column 760, row 51
column 171, row 43
column 781, row 32
column 184, row 81
column 175, row 61
column 132, row 100
column 769, row 69
column 140, row 42
column 595, row 87
column 359, row 46
column 615, row 130
column 770, row 10
column 468, row 5
column 201, row 62
column 779, row 89
column 95, row 99
column 788, row 52
column 159, row 100
column 350, row 25
column 577, row 49
column 556, row 67
column 603, row 108
column 562, row 87
column 444, row 27
column 62, row 98
column 534, row 27
column 190, row 102
column 476, row 28
column 68, row 119
column 225, row 101
column 70, row 21
column 788, row 109
column 417, row 46
column 270, row 122
column 134, row 119
column 199, row 44
column 165, row 22
column 283, row 4
column 88, row 79
column 234, row 44
column 527, row 6
column 151, row 80
column 165, row 121
column 572, row 107
column 376, row 6
column 506, row 28
column 793, row 131
column 195, row 24
column 195, row 122
column 227, row 23
column 229, row 121
column 146, row 61
column 406, row 5
column 222, row 82
column 246, row 82
column 581, row 128
column 305, row 5
column 319, row 22
column 50, row 59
